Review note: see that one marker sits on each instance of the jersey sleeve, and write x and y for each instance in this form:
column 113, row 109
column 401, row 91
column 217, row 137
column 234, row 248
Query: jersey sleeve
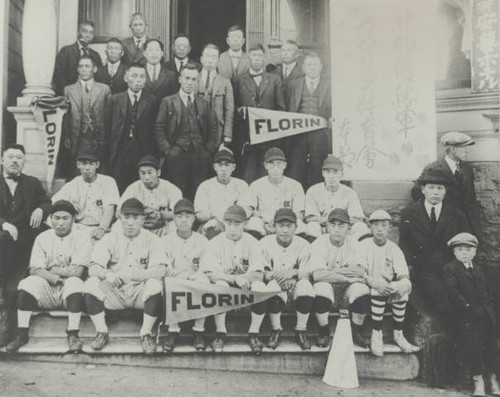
column 38, row 257
column 318, row 258
column 255, row 261
column 111, row 196
column 299, row 198
column 400, row 266
column 83, row 251
column 101, row 254
column 267, row 261
column 157, row 253
column 129, row 192
column 304, row 255
column 202, row 198
column 251, row 198
column 175, row 196
column 211, row 261
column 64, row 193
column 354, row 208
column 311, row 205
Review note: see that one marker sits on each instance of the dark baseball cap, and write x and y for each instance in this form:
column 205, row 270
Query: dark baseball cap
column 63, row 205
column 224, row 154
column 332, row 163
column 150, row 160
column 285, row 214
column 132, row 206
column 274, row 153
column 88, row 156
column 235, row 213
column 184, row 205
column 339, row 214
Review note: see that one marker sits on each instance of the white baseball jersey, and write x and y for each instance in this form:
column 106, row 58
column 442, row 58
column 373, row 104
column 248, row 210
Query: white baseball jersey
column 164, row 196
column 89, row 199
column 232, row 257
column 50, row 250
column 320, row 201
column 268, row 197
column 214, row 197
column 184, row 255
column 277, row 257
column 325, row 255
column 385, row 262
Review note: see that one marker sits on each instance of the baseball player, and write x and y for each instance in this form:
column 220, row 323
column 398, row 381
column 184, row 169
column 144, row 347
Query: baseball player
column 215, row 195
column 272, row 192
column 125, row 273
column 58, row 259
column 284, row 258
column 330, row 194
column 338, row 274
column 233, row 258
column 94, row 196
column 158, row 196
column 389, row 281
column 184, row 250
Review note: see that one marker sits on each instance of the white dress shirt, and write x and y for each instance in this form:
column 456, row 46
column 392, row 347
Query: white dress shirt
column 451, row 163
column 312, row 84
column 12, row 184
column 113, row 68
column 437, row 209
column 153, row 71
column 131, row 95
column 178, row 63
column 184, row 97
column 257, row 79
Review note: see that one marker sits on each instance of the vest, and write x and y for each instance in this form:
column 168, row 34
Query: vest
column 190, row 133
column 17, row 213
column 87, row 117
column 309, row 103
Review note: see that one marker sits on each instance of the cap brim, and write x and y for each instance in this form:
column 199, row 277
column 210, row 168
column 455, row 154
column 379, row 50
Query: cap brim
column 147, row 163
column 131, row 212
column 330, row 220
column 229, row 160
column 273, row 158
column 234, row 219
column 286, row 218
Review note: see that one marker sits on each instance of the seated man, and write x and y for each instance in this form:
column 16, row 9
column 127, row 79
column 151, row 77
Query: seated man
column 233, row 258
column 389, row 281
column 57, row 262
column 184, row 250
column 330, row 194
column 94, row 196
column 284, row 258
column 215, row 195
column 338, row 276
column 125, row 273
column 272, row 192
column 158, row 195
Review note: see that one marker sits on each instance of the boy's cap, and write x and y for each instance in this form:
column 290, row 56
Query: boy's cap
column 274, row 153
column 463, row 238
column 235, row 213
column 150, row 160
column 332, row 163
column 88, row 156
column 285, row 214
column 224, row 154
column 184, row 205
column 379, row 215
column 63, row 205
column 457, row 139
column 339, row 214
column 132, row 206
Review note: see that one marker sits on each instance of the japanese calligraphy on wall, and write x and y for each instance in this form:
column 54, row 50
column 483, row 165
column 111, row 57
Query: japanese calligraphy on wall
column 486, row 46
column 383, row 87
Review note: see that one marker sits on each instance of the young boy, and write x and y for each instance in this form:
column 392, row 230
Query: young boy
column 389, row 281
column 468, row 291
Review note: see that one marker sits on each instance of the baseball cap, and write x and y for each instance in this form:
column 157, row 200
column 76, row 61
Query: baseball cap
column 235, row 213
column 63, row 205
column 339, row 214
column 433, row 176
column 332, row 163
column 224, row 154
column 274, row 154
column 184, row 205
column 463, row 238
column 285, row 214
column 132, row 206
column 150, row 160
column 458, row 139
column 89, row 156
column 379, row 215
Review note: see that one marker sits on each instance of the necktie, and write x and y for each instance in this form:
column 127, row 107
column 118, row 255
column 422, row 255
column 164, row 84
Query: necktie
column 189, row 102
column 207, row 83
column 133, row 120
column 181, row 64
column 472, row 271
column 433, row 217
column 458, row 171
column 87, row 89
column 138, row 43
column 154, row 75
column 312, row 88
column 85, row 51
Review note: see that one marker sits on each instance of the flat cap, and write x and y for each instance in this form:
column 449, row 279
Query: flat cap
column 332, row 163
column 235, row 213
column 63, row 205
column 456, row 139
column 150, row 160
column 274, row 153
column 184, row 205
column 89, row 156
column 432, row 176
column 379, row 215
column 463, row 238
column 224, row 154
column 285, row 214
column 339, row 214
column 132, row 206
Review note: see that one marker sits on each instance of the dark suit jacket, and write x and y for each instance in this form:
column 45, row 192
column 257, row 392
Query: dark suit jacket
column 116, row 115
column 425, row 249
column 170, row 65
column 296, row 73
column 167, row 127
column 225, row 66
column 165, row 84
column 296, row 87
column 65, row 72
column 464, row 289
column 132, row 54
column 115, row 83
column 268, row 96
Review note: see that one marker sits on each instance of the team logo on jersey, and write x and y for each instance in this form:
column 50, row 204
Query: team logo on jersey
column 287, row 204
column 196, row 264
column 388, row 262
column 244, row 263
column 99, row 203
column 144, row 261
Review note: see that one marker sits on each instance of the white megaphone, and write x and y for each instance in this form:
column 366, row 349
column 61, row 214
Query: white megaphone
column 341, row 370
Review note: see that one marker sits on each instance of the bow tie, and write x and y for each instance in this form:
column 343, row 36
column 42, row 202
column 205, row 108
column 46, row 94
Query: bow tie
column 256, row 75
column 15, row 178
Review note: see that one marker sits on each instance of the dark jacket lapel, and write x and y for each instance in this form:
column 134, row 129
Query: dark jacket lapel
column 250, row 84
column 263, row 84
column 298, row 92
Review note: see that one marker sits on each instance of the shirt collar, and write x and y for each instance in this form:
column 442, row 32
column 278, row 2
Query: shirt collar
column 289, row 67
column 115, row 65
column 184, row 97
column 310, row 80
column 253, row 72
column 6, row 177
column 437, row 207
column 178, row 61
column 204, row 73
column 238, row 54
column 451, row 163
column 88, row 82
column 131, row 95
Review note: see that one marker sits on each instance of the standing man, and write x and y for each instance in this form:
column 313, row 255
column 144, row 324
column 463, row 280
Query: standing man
column 113, row 72
column 85, row 129
column 130, row 119
column 65, row 71
column 289, row 70
column 186, row 132
column 309, row 94
column 133, row 46
column 160, row 81
column 218, row 92
column 257, row 89
column 234, row 62
column 181, row 48
column 24, row 205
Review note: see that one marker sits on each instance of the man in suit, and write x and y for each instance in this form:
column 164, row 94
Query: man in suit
column 309, row 94
column 84, row 122
column 426, row 227
column 160, row 81
column 289, row 70
column 459, row 176
column 218, row 92
column 134, row 46
column 181, row 48
column 65, row 71
column 186, row 132
column 24, row 205
column 113, row 72
column 257, row 89
column 234, row 62
column 130, row 118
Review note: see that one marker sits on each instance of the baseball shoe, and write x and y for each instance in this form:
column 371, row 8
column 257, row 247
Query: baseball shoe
column 377, row 343
column 494, row 387
column 100, row 340
column 323, row 336
column 479, row 389
column 20, row 339
column 170, row 342
column 274, row 339
column 358, row 337
column 148, row 344
column 74, row 342
column 218, row 342
column 302, row 341
column 403, row 344
column 199, row 341
column 255, row 344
